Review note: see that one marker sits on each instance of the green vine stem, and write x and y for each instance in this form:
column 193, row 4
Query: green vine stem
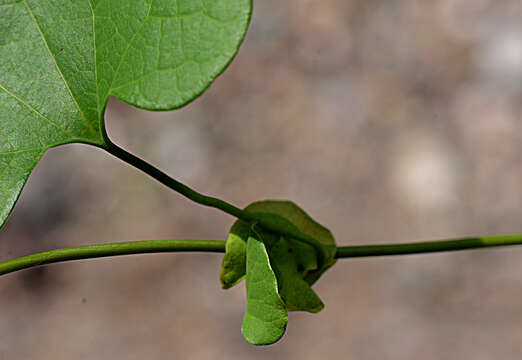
column 428, row 246
column 218, row 246
column 111, row 249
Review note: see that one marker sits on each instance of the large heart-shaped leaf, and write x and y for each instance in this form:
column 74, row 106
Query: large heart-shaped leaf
column 61, row 60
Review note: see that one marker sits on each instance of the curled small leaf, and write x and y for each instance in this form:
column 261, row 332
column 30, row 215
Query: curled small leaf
column 279, row 269
column 289, row 217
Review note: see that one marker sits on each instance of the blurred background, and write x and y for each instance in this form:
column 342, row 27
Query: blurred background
column 386, row 120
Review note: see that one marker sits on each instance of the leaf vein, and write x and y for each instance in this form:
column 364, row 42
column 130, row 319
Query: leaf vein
column 95, row 63
column 129, row 46
column 84, row 118
column 20, row 100
column 20, row 151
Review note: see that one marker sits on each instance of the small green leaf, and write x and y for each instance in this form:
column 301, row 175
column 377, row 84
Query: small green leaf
column 288, row 216
column 295, row 291
column 266, row 316
column 234, row 262
column 61, row 60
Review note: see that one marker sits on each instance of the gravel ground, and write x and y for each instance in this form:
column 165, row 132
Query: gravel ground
column 386, row 120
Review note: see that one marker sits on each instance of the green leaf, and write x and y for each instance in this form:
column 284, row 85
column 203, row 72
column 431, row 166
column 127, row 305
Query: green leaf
column 294, row 262
column 295, row 291
column 266, row 316
column 61, row 60
column 288, row 216
column 233, row 269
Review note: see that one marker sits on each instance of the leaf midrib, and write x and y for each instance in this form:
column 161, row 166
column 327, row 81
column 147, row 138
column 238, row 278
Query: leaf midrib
column 95, row 62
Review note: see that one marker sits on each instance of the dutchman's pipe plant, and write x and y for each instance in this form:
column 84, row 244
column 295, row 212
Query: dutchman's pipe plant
column 61, row 61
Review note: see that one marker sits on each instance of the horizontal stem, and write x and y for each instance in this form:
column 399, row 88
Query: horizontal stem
column 161, row 246
column 428, row 246
column 112, row 249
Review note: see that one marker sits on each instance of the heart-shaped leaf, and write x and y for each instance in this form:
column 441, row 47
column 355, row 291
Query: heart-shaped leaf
column 61, row 60
column 266, row 316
